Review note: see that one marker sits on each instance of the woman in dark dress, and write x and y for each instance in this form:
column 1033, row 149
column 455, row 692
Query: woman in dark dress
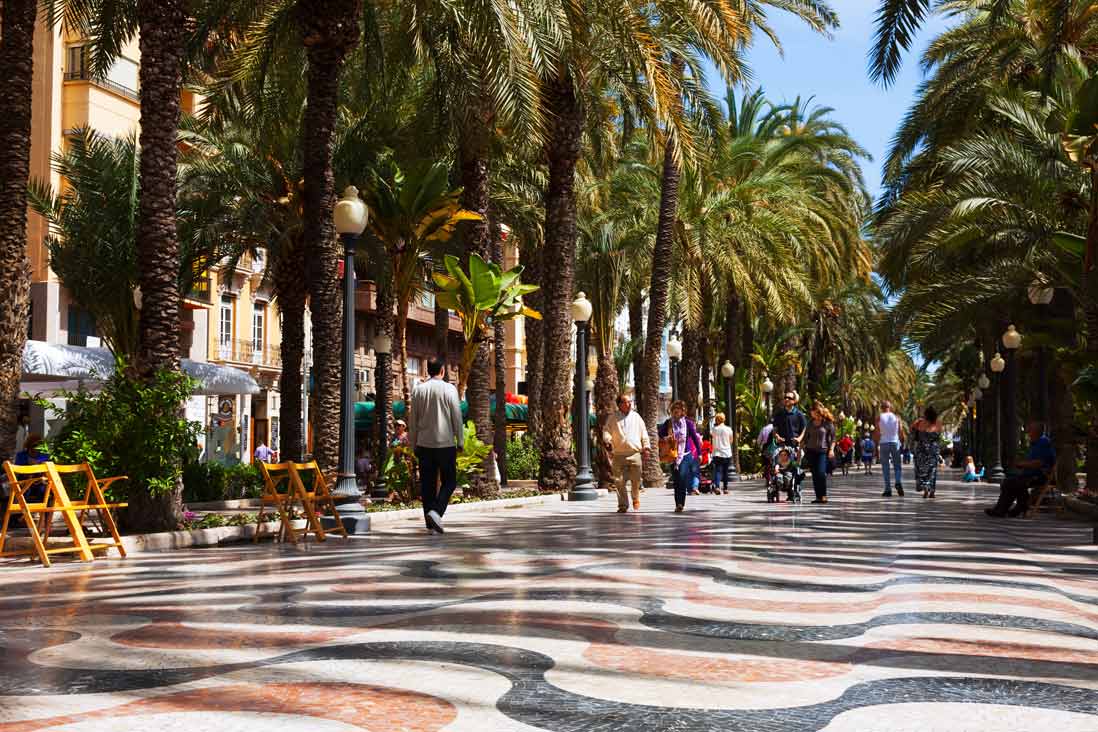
column 927, row 436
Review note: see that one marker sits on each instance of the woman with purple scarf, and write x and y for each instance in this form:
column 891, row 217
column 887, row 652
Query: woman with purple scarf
column 688, row 452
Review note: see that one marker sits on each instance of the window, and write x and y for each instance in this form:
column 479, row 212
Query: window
column 81, row 326
column 427, row 299
column 412, row 369
column 225, row 326
column 76, row 66
column 259, row 317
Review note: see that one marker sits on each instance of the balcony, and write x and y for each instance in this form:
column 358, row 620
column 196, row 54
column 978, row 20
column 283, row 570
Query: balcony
column 105, row 83
column 249, row 352
column 201, row 291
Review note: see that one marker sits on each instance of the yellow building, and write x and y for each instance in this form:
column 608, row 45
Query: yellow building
column 228, row 318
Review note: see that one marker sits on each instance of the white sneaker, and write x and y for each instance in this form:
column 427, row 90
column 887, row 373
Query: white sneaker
column 435, row 520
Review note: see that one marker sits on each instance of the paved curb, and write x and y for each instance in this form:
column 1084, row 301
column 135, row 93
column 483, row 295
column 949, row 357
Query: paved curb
column 171, row 540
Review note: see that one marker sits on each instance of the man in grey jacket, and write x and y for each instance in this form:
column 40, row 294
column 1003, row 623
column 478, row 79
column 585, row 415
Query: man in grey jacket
column 436, row 433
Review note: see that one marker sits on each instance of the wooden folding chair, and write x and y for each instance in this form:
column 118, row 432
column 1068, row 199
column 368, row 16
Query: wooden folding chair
column 314, row 493
column 56, row 500
column 1046, row 488
column 279, row 492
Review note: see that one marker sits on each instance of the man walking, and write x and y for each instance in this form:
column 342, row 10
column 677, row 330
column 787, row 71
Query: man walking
column 627, row 439
column 890, row 435
column 789, row 421
column 435, row 433
column 722, row 453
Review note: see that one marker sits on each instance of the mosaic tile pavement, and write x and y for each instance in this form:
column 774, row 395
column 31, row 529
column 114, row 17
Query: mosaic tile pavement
column 863, row 614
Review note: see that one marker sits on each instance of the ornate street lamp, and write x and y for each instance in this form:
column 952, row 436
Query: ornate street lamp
column 351, row 216
column 674, row 353
column 1041, row 294
column 996, row 473
column 584, row 489
column 983, row 382
column 1012, row 341
column 383, row 346
column 728, row 371
column 767, row 387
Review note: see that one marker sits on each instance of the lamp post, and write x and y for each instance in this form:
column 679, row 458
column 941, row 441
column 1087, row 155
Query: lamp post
column 977, row 397
column 584, row 488
column 1012, row 341
column 383, row 346
column 350, row 216
column 728, row 371
column 996, row 473
column 1041, row 294
column 767, row 387
column 674, row 353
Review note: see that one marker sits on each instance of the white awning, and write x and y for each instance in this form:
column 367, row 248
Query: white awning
column 50, row 367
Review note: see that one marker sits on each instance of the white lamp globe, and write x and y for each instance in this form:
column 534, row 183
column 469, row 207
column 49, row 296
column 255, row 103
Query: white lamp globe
column 767, row 386
column 997, row 364
column 728, row 370
column 581, row 308
column 674, row 348
column 350, row 213
column 983, row 382
column 1012, row 339
column 383, row 344
column 1040, row 293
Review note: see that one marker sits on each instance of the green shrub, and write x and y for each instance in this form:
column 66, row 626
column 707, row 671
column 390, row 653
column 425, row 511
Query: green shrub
column 131, row 428
column 471, row 459
column 749, row 459
column 523, row 459
column 243, row 481
column 212, row 481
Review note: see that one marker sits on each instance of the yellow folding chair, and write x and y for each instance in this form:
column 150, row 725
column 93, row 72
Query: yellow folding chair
column 314, row 493
column 56, row 500
column 278, row 492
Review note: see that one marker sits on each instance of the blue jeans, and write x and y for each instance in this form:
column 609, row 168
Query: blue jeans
column 682, row 478
column 890, row 460
column 722, row 469
column 817, row 464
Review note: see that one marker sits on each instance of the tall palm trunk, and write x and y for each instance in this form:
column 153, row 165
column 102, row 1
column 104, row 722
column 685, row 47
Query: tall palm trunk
column 689, row 368
column 657, row 302
column 383, row 369
column 160, row 24
column 558, row 465
column 636, row 338
column 733, row 353
column 606, row 395
column 499, row 365
column 17, row 19
column 291, row 293
column 442, row 332
column 474, row 137
column 535, row 341
column 329, row 30
column 401, row 382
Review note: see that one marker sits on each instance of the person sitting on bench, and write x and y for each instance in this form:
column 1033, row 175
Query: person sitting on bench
column 1030, row 473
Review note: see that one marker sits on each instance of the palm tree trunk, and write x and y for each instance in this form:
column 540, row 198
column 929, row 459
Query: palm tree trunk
column 689, row 369
column 329, row 30
column 499, row 365
column 17, row 59
column 474, row 137
column 606, row 395
column 535, row 341
column 733, row 353
column 636, row 338
column 383, row 368
column 160, row 24
column 442, row 332
column 657, row 303
column 291, row 294
column 558, row 465
column 400, row 342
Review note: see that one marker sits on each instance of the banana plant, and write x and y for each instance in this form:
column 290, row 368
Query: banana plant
column 482, row 297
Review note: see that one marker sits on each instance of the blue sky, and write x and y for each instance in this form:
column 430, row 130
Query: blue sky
column 834, row 72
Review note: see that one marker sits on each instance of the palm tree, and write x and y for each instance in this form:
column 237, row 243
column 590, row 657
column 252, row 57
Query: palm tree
column 17, row 21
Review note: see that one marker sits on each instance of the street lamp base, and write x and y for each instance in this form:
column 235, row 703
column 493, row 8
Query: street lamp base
column 996, row 474
column 583, row 492
column 356, row 523
column 348, row 502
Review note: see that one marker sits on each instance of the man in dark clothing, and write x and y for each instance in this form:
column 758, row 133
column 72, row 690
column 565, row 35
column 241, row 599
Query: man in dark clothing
column 789, row 421
column 1033, row 471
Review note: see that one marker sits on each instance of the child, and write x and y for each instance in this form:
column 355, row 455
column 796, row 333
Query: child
column 787, row 467
column 970, row 471
column 868, row 448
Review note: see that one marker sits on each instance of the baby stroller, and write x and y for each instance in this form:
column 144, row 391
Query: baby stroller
column 786, row 475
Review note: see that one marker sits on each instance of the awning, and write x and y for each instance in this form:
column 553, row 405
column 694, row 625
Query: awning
column 51, row 367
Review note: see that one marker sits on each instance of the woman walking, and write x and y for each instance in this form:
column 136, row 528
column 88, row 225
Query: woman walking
column 928, row 443
column 819, row 448
column 688, row 447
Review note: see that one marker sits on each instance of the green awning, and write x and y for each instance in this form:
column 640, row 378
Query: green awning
column 364, row 412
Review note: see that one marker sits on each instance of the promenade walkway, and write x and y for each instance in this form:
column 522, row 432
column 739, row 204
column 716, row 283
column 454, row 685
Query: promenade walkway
column 863, row 614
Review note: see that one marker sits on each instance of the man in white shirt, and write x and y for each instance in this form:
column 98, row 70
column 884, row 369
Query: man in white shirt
column 627, row 439
column 722, row 452
column 436, row 433
column 889, row 436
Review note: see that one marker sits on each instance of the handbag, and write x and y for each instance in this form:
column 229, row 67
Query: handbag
column 669, row 449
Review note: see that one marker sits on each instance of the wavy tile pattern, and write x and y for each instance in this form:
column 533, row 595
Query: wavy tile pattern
column 737, row 615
